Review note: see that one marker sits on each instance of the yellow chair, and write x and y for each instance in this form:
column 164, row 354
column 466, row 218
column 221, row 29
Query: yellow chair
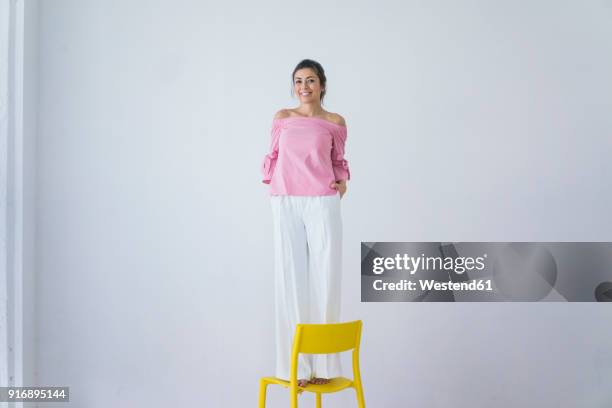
column 321, row 339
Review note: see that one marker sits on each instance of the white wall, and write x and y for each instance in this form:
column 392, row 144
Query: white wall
column 468, row 121
column 29, row 335
column 18, row 135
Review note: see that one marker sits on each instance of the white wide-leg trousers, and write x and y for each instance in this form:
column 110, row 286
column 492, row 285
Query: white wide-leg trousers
column 308, row 272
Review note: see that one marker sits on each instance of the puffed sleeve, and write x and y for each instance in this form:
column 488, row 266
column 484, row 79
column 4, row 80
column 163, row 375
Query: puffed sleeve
column 340, row 165
column 269, row 162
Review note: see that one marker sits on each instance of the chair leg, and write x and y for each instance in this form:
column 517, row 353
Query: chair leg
column 262, row 393
column 294, row 397
column 318, row 400
column 360, row 399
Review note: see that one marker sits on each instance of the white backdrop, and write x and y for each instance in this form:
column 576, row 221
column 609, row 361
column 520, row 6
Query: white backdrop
column 18, row 135
column 467, row 121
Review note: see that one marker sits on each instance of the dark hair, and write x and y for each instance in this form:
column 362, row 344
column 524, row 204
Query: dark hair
column 317, row 68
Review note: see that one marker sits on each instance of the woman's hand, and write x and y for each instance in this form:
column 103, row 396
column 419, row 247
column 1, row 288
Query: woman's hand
column 339, row 185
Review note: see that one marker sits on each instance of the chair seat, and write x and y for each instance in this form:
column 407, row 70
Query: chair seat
column 335, row 384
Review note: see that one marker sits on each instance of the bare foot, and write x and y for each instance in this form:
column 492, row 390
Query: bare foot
column 302, row 383
column 316, row 380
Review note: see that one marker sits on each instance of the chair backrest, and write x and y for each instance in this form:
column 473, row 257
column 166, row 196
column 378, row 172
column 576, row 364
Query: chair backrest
column 327, row 338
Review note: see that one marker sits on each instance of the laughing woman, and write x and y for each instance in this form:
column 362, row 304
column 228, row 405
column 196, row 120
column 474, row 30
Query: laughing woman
column 307, row 174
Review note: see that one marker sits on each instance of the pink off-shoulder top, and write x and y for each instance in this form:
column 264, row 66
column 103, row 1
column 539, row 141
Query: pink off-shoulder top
column 306, row 156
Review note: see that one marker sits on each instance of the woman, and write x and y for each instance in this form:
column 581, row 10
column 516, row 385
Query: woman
column 307, row 174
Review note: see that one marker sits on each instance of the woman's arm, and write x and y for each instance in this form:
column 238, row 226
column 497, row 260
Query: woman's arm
column 341, row 170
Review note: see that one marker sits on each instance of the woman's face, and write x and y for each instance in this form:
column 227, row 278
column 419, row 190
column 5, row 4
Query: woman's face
column 306, row 85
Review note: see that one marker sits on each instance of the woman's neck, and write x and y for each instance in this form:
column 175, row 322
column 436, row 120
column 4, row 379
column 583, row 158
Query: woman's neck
column 310, row 110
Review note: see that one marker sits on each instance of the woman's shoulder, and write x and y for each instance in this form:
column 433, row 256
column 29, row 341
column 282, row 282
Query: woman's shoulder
column 337, row 119
column 329, row 116
column 282, row 114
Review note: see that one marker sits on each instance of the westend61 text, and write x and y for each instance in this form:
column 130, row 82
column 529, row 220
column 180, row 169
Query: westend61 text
column 478, row 285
